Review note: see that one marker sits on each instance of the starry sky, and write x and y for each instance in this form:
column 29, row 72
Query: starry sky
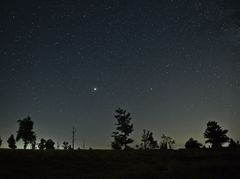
column 173, row 64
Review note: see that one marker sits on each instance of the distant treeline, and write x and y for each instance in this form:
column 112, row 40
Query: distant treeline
column 214, row 135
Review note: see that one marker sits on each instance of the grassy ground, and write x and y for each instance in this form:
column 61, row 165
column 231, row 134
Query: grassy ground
column 119, row 164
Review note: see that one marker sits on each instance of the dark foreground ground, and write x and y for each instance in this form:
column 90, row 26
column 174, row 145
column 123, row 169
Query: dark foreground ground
column 18, row 164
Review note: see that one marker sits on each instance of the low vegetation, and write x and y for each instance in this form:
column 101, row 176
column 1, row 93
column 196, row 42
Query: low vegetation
column 195, row 163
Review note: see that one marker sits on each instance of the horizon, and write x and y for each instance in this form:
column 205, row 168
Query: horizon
column 83, row 145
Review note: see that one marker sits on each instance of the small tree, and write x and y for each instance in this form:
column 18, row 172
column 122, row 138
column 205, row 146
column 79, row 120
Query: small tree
column 42, row 144
column 192, row 144
column 166, row 142
column 50, row 144
column 215, row 135
column 124, row 129
column 25, row 131
column 148, row 141
column 65, row 145
column 11, row 142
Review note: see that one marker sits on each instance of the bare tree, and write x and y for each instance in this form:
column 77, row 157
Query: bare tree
column 148, row 141
column 166, row 142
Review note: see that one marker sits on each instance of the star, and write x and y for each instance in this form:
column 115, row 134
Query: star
column 95, row 89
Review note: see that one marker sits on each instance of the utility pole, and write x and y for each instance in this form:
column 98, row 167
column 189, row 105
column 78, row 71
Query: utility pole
column 73, row 137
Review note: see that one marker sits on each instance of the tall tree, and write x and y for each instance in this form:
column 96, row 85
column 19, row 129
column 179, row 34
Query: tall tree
column 25, row 131
column 50, row 144
column 124, row 129
column 11, row 142
column 0, row 141
column 215, row 135
column 148, row 141
column 166, row 143
column 42, row 144
column 192, row 144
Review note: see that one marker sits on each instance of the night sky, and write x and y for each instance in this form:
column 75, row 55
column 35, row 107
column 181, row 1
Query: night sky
column 173, row 64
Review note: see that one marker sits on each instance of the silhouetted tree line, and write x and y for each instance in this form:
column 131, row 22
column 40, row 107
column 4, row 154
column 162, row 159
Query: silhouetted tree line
column 214, row 135
column 46, row 144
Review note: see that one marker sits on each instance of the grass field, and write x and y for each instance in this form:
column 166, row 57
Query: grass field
column 106, row 164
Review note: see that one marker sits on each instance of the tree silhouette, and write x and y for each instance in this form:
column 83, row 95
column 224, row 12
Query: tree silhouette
column 11, row 142
column 42, row 144
column 116, row 145
column 215, row 135
column 192, row 144
column 0, row 141
column 232, row 144
column 148, row 141
column 50, row 144
column 166, row 142
column 65, row 145
column 25, row 131
column 33, row 144
column 124, row 129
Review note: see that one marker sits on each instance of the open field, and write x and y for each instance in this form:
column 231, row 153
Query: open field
column 119, row 164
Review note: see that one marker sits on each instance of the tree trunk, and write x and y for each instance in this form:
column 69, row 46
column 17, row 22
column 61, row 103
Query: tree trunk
column 25, row 145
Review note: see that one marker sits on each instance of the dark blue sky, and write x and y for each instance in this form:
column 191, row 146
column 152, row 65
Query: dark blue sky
column 173, row 64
